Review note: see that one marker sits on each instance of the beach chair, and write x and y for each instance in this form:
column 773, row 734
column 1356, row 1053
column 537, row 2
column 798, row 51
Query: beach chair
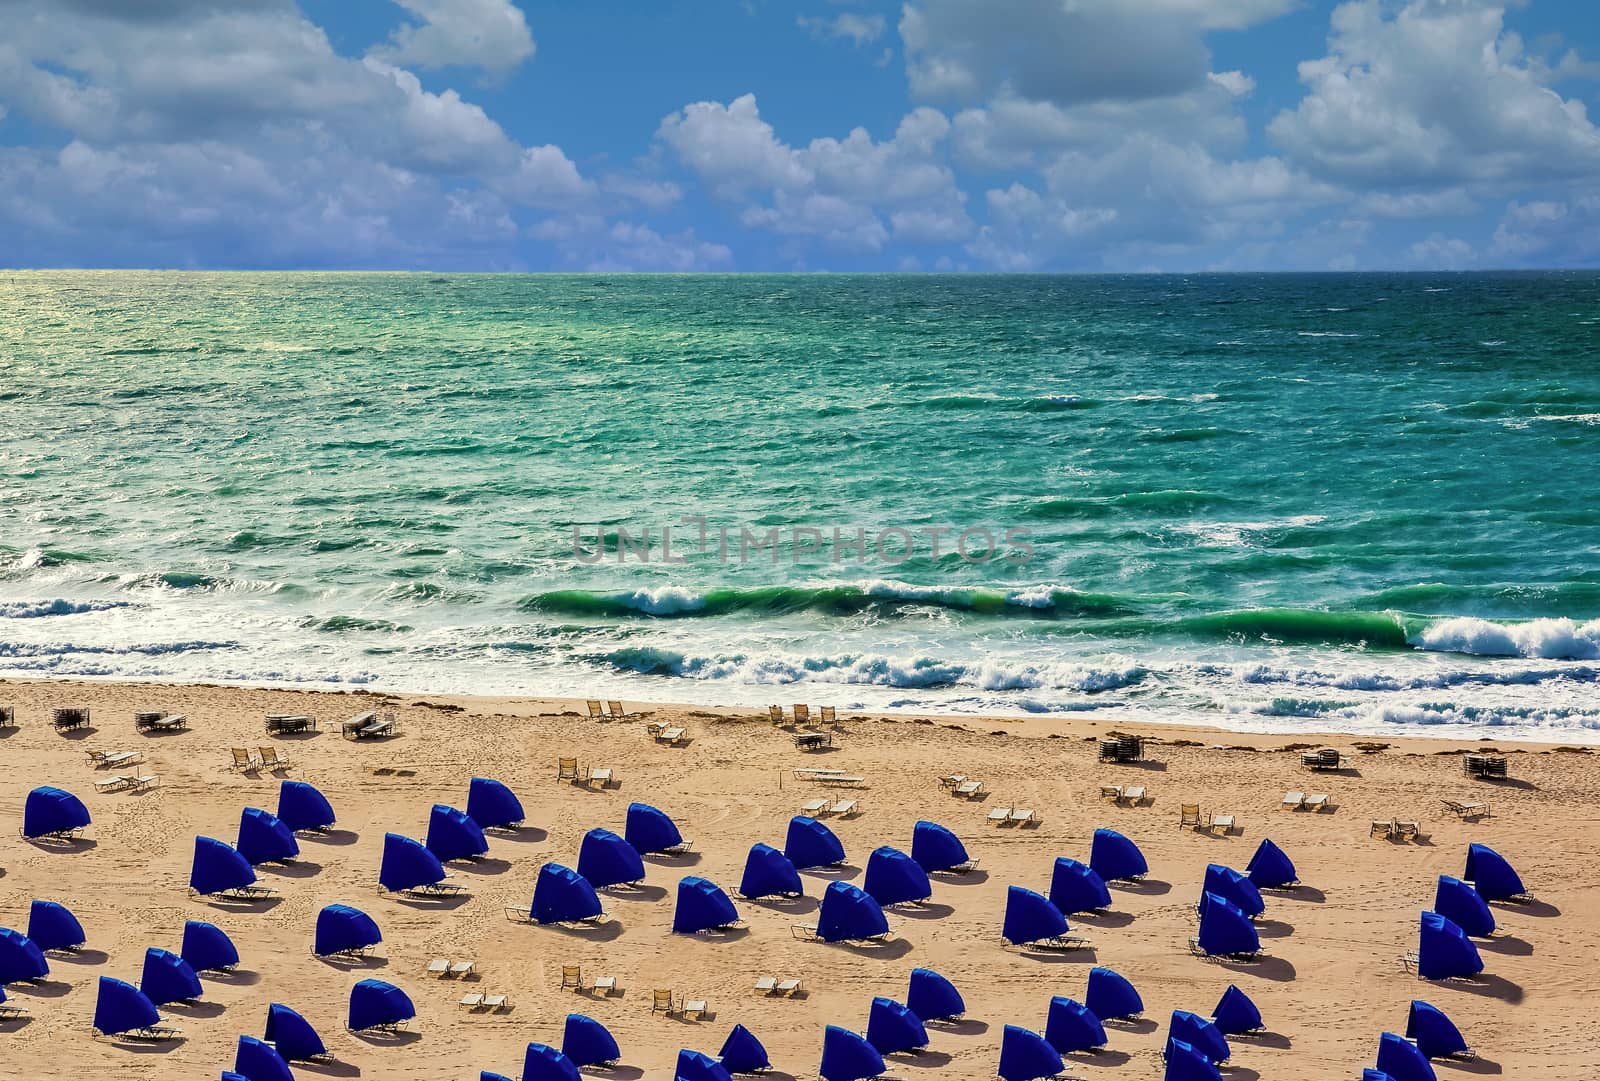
column 8, row 716
column 171, row 722
column 1022, row 816
column 1327, row 758
column 1484, row 765
column 841, row 780
column 597, row 712
column 802, row 714
column 661, row 1002
column 1467, row 810
column 828, row 715
column 672, row 737
column 271, row 760
column 775, row 714
column 438, row 967
column 571, row 978
column 9, row 1012
column 1407, row 830
column 1317, row 801
column 378, row 726
column 1410, row 960
column 567, row 769
column 114, row 783
column 1189, row 815
column 846, row 808
column 604, row 985
column 1294, row 800
column 949, row 781
column 1000, row 815
column 143, row 781
column 69, row 718
column 470, row 1002
column 1382, row 828
column 970, row 789
column 462, row 969
column 1112, row 792
column 812, row 741
column 766, row 985
column 598, row 776
column 814, row 807
column 244, row 761
column 352, row 728
column 696, row 1006
column 1220, row 822
column 1133, row 795
column 617, row 713
column 497, row 1002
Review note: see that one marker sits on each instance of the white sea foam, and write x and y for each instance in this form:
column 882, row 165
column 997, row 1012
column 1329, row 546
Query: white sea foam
column 56, row 607
column 665, row 601
column 1547, row 638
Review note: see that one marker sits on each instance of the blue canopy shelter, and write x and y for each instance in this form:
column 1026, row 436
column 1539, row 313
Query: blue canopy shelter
column 376, row 1004
column 218, row 868
column 893, row 1028
column 1077, row 887
column 1400, row 1059
column 452, row 835
column 1188, row 1063
column 1230, row 884
column 1224, row 929
column 342, row 929
column 1492, row 875
column 1444, row 951
column 562, row 895
column 650, row 831
column 263, row 838
column 1235, row 1014
column 698, row 1066
column 608, row 860
column 1111, row 997
column 1270, row 868
column 490, row 1075
column 1026, row 1055
column 847, row 1056
column 811, row 844
column 492, row 805
column 894, row 878
column 167, row 977
column 20, row 958
column 743, row 1053
column 302, row 808
column 545, row 1063
column 1200, row 1034
column 937, row 849
column 408, row 865
column 1115, row 858
column 293, row 1035
column 1030, row 917
column 702, row 906
column 260, row 1061
column 587, row 1042
column 1071, row 1026
column 1436, row 1035
column 207, row 947
column 233, row 1075
column 1464, row 906
column 1369, row 1074
column 934, row 998
column 768, row 873
column 119, row 1007
column 53, row 812
column 52, row 926
column 848, row 913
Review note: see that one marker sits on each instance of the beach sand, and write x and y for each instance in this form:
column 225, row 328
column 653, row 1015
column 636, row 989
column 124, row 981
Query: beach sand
column 1332, row 984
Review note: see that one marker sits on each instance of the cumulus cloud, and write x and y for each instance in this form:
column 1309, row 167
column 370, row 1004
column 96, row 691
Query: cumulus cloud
column 857, row 29
column 1436, row 92
column 491, row 34
column 1549, row 231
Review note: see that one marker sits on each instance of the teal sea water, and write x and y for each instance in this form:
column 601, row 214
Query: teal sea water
column 1362, row 502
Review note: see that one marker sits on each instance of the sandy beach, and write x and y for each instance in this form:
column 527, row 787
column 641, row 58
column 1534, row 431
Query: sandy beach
column 1332, row 984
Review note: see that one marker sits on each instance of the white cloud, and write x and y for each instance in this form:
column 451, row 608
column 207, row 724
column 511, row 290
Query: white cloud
column 491, row 34
column 1440, row 252
column 1563, row 232
column 857, row 29
column 1434, row 93
column 1445, row 203
column 546, row 177
column 590, row 242
column 731, row 147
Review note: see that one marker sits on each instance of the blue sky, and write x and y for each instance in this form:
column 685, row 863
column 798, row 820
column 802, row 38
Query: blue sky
column 1011, row 135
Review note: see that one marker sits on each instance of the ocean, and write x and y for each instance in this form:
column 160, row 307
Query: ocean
column 1360, row 502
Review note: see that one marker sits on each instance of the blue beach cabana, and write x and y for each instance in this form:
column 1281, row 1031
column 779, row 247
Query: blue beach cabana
column 1071, row 1026
column 607, row 860
column 1111, row 997
column 1115, row 858
column 742, row 1053
column 452, row 835
column 1493, row 876
column 1399, row 1058
column 1031, row 920
column 849, row 914
column 894, row 878
column 218, row 868
column 1435, row 1034
column 1464, row 906
column 304, row 809
column 21, row 959
column 847, row 1056
column 53, row 813
column 892, row 1028
column 492, row 805
column 1230, row 884
column 375, row 1004
column 293, row 1035
column 769, row 873
column 1077, row 887
column 651, row 832
column 1270, row 868
column 698, row 1066
column 263, row 838
column 1200, row 1034
column 1235, row 1014
column 408, row 866
column 562, row 895
column 702, row 906
column 587, row 1042
column 1025, row 1055
column 52, row 926
column 120, row 1007
column 936, row 849
column 810, row 844
column 1444, row 951
column 1225, row 931
column 344, row 931
column 545, row 1063
column 933, row 998
column 260, row 1061
column 207, row 947
column 167, row 977
column 1188, row 1063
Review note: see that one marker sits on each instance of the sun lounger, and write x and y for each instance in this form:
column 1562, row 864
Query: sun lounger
column 696, row 1006
column 790, row 986
column 812, row 741
column 1405, row 830
column 1194, row 948
column 105, row 759
column 1022, row 816
column 766, row 985
column 845, row 808
column 285, row 723
column 617, row 713
column 969, row 789
column 599, row 776
column 1132, row 795
column 175, row 722
column 1111, row 792
column 1484, row 765
column 1316, row 801
column 152, row 1033
column 1467, row 810
column 243, row 760
column 661, row 1002
column 672, row 736
column 950, row 781
column 1220, row 822
column 1294, row 800
column 802, row 714
column 463, row 968
column 68, row 718
column 114, row 783
column 1383, row 828
column 9, row 1012
column 438, row 966
column 999, row 815
column 814, row 775
column 470, row 1002
column 775, row 714
column 841, row 780
column 1189, row 815
column 566, row 769
column 814, row 807
column 495, row 1003
column 272, row 760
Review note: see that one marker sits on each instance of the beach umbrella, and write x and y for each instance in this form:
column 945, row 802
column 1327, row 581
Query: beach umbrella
column 1435, row 1034
column 1110, row 996
column 1492, row 875
column 1077, row 887
column 587, row 1042
column 892, row 1028
column 1071, row 1026
column 302, row 808
column 1464, row 906
column 1224, row 929
column 207, row 948
column 1115, row 858
column 1270, row 868
column 608, row 860
column 52, row 926
column 743, row 1053
column 936, row 849
column 292, row 1034
column 848, row 913
column 933, row 998
column 894, row 878
column 847, row 1056
column 1235, row 1014
column 1400, row 1059
column 452, row 835
column 769, row 873
column 811, row 844
column 492, row 805
column 1025, row 1055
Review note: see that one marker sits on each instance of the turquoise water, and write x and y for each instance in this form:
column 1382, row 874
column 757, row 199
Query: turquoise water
column 1361, row 502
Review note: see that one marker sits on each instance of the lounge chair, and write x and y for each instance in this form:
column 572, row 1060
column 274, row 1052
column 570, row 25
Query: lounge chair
column 1133, row 795
column 846, row 808
column 1194, row 948
column 461, row 969
column 1468, row 810
column 949, row 781
column 802, row 714
column 1382, row 828
column 244, row 761
column 766, row 985
column 696, row 1006
column 272, row 760
column 470, row 1002
column 114, row 783
column 1220, row 822
column 351, row 729
column 438, row 967
column 1294, row 800
column 1111, row 792
column 1407, row 830
column 8, row 716
column 1410, row 960
column 617, row 713
column 671, row 736
column 597, row 712
column 1022, row 816
column 969, row 789
column 1000, row 815
column 281, row 723
column 567, row 769
column 1327, row 758
column 103, row 759
column 841, row 780
column 775, row 714
column 1317, row 801
column 604, row 985
column 1189, row 815
column 68, row 718
column 11, row 1013
column 661, row 1002
column 812, row 741
column 171, row 722
column 571, row 976
column 600, row 775
column 1483, row 765
column 496, row 1003
column 814, row 807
